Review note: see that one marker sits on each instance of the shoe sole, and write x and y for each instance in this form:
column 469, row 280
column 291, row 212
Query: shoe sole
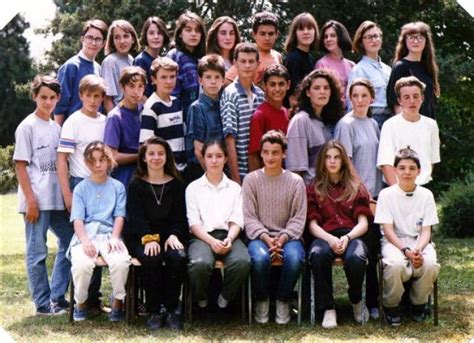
column 282, row 322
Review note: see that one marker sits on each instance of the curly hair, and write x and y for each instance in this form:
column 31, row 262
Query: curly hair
column 333, row 110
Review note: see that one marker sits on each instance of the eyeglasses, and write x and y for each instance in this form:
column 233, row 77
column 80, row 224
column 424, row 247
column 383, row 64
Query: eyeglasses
column 375, row 36
column 416, row 37
column 92, row 39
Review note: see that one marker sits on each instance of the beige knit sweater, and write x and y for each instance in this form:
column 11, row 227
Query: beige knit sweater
column 274, row 204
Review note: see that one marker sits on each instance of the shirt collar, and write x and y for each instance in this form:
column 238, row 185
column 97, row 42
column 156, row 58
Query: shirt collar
column 208, row 101
column 223, row 184
column 83, row 56
column 371, row 61
column 241, row 89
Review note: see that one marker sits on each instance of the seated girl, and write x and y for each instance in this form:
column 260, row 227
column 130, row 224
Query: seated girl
column 338, row 212
column 215, row 217
column 157, row 215
column 98, row 212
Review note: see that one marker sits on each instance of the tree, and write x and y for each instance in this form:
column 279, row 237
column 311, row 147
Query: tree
column 15, row 71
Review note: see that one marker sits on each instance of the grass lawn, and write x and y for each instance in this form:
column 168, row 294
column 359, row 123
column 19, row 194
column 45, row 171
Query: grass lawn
column 456, row 307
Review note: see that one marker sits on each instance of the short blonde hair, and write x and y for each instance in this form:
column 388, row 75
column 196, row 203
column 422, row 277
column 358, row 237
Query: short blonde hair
column 163, row 63
column 92, row 83
column 104, row 149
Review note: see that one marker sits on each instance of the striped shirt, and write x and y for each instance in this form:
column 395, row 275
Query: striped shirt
column 236, row 112
column 165, row 119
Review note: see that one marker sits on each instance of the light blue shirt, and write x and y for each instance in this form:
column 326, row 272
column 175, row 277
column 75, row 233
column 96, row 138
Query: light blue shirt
column 376, row 72
column 94, row 202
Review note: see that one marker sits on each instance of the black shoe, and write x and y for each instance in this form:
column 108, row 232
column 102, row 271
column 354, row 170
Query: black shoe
column 154, row 322
column 173, row 321
column 418, row 313
column 392, row 316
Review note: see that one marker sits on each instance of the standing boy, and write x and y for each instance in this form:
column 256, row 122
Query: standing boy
column 265, row 33
column 162, row 113
column 271, row 114
column 238, row 103
column 407, row 213
column 204, row 118
column 40, row 201
column 74, row 69
column 411, row 128
column 122, row 128
column 81, row 128
column 274, row 202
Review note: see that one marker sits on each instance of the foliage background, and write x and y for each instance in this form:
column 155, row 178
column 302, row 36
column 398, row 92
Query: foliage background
column 452, row 27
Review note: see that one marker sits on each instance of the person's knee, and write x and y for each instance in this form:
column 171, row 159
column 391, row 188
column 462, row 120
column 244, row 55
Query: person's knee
column 200, row 266
column 355, row 262
column 241, row 264
column 176, row 259
column 83, row 265
column 294, row 258
column 260, row 258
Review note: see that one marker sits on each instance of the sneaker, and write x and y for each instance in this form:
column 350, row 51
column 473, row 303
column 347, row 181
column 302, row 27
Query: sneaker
column 361, row 313
column 79, row 315
column 116, row 315
column 418, row 313
column 374, row 313
column 154, row 322
column 329, row 320
column 173, row 321
column 49, row 310
column 62, row 303
column 202, row 303
column 58, row 310
column 392, row 316
column 221, row 302
column 261, row 311
column 282, row 312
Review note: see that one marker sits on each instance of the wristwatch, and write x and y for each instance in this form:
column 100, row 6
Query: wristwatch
column 404, row 250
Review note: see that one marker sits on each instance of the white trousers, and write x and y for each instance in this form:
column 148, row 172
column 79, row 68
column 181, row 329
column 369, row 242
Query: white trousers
column 398, row 269
column 83, row 266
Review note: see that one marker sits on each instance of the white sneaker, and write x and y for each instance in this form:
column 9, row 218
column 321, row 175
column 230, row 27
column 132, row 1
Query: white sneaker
column 221, row 302
column 361, row 313
column 261, row 311
column 329, row 320
column 282, row 312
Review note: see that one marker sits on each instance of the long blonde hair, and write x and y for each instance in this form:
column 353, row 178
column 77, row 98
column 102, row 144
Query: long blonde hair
column 348, row 180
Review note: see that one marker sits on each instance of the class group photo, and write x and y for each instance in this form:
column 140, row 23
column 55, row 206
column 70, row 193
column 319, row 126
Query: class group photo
column 239, row 171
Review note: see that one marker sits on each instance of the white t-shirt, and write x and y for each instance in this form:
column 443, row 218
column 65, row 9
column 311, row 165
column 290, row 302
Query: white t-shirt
column 422, row 136
column 36, row 143
column 214, row 207
column 408, row 214
column 78, row 131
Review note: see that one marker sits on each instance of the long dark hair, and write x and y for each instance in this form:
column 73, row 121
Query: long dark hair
column 170, row 165
column 183, row 20
column 428, row 57
column 332, row 112
column 301, row 21
column 211, row 42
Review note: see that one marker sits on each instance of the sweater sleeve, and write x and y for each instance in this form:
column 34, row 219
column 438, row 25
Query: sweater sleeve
column 139, row 223
column 313, row 205
column 253, row 226
column 362, row 204
column 67, row 75
column 295, row 226
column 178, row 223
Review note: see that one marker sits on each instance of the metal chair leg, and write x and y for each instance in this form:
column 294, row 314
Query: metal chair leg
column 300, row 295
column 250, row 299
column 313, row 300
column 435, row 303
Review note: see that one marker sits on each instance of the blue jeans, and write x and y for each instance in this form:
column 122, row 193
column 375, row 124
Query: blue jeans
column 293, row 260
column 37, row 252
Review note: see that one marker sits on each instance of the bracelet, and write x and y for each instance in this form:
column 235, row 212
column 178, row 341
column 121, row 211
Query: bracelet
column 348, row 238
column 150, row 238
